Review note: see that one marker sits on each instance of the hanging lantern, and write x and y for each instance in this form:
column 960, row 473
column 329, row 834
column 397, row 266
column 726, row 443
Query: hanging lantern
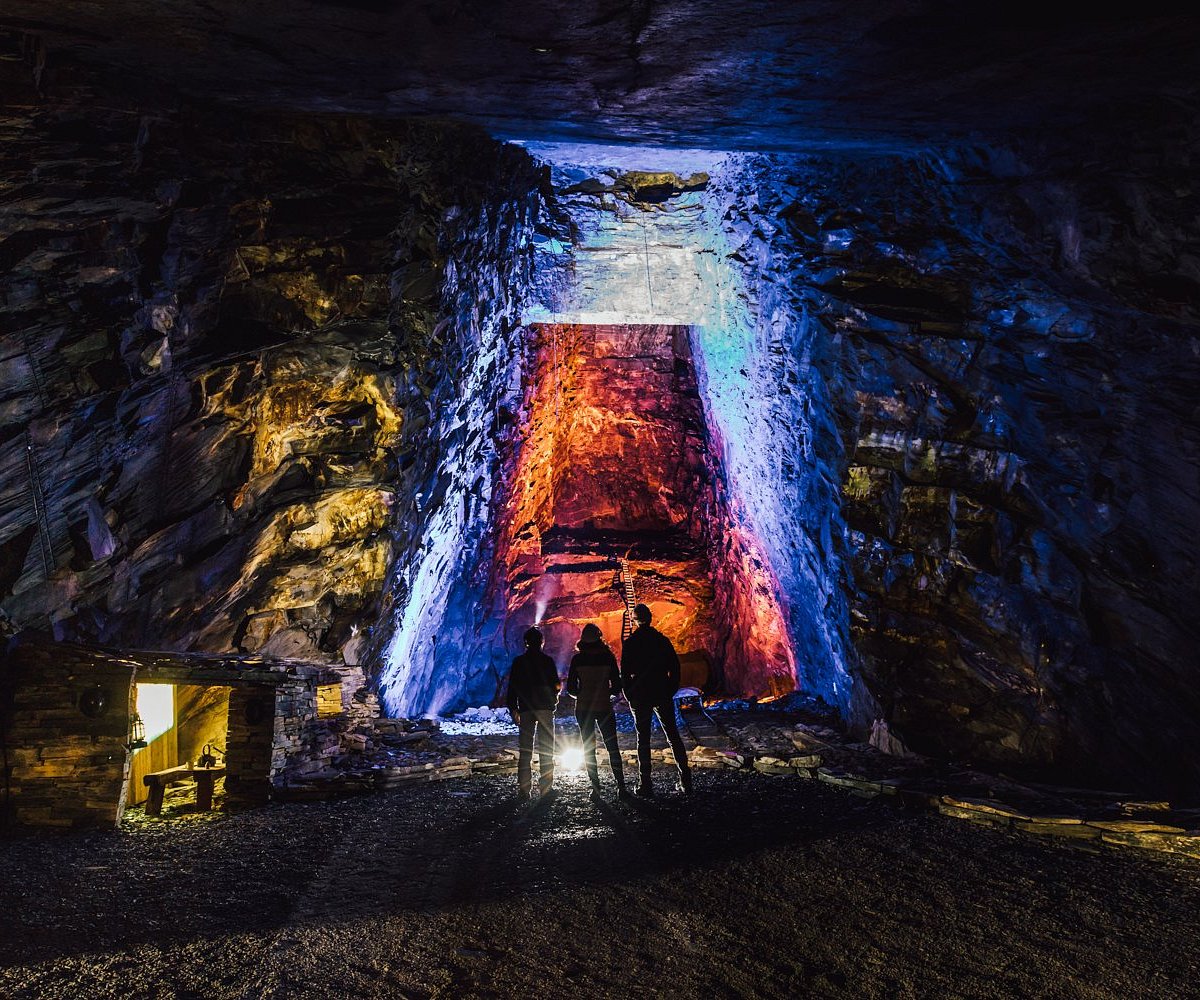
column 137, row 733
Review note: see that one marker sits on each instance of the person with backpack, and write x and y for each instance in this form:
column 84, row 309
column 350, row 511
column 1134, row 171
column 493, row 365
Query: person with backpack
column 594, row 680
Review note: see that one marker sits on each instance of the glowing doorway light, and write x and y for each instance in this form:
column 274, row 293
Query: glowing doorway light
column 571, row 759
column 156, row 706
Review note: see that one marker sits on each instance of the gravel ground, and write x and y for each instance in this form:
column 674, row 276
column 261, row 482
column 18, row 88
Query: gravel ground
column 755, row 887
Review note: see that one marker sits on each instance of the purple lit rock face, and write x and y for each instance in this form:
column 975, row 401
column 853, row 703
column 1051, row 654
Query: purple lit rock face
column 268, row 371
column 997, row 392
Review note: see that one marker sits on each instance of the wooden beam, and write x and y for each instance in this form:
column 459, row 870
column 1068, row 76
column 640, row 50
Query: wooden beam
column 165, row 666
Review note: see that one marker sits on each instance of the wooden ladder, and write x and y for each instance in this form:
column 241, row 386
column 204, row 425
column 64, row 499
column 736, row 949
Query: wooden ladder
column 625, row 581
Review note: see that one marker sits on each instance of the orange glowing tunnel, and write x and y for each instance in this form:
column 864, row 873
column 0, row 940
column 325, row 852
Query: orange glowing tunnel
column 616, row 494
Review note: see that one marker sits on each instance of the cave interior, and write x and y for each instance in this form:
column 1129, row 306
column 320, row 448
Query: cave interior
column 864, row 346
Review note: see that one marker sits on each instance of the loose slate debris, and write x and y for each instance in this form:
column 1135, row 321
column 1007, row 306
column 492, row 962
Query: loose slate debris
column 399, row 753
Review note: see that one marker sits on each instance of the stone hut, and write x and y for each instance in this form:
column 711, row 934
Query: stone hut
column 67, row 715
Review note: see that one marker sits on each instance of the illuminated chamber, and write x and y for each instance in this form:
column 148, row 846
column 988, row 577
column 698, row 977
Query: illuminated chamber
column 618, row 465
column 656, row 414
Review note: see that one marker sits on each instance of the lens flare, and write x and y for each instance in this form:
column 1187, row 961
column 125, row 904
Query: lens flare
column 571, row 759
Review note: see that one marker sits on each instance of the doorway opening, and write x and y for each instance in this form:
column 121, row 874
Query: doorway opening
column 617, row 495
column 186, row 729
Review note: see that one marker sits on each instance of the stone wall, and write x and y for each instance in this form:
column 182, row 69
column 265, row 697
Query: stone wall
column 1004, row 344
column 767, row 406
column 461, row 352
column 299, row 740
column 234, row 357
column 256, row 741
column 228, row 384
column 64, row 726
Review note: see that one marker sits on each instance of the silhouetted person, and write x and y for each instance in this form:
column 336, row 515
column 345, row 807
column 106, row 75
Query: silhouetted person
column 532, row 695
column 650, row 677
column 594, row 680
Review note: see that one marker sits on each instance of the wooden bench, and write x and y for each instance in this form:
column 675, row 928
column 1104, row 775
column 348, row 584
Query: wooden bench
column 205, row 777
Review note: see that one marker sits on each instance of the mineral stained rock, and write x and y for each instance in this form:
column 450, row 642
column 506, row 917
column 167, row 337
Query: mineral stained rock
column 618, row 465
column 221, row 346
column 1001, row 382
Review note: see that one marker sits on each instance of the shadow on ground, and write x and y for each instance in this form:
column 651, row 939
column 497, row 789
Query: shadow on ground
column 755, row 885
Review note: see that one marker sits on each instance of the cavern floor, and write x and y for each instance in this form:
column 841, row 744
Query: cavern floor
column 757, row 887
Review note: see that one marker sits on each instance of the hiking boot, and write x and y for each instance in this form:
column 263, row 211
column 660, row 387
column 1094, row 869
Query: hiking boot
column 645, row 790
column 685, row 782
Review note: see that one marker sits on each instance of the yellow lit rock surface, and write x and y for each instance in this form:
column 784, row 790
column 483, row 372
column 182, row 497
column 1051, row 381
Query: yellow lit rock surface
column 217, row 454
column 1133, row 826
column 1075, row 831
column 998, row 809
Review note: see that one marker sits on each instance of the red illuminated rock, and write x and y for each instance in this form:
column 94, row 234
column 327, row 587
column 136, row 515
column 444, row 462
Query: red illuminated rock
column 616, row 463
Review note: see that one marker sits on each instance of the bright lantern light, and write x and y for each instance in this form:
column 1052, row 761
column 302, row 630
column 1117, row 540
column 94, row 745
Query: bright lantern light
column 571, row 759
column 156, row 706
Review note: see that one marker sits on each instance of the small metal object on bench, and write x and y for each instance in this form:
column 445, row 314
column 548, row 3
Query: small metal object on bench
column 207, row 758
column 206, row 778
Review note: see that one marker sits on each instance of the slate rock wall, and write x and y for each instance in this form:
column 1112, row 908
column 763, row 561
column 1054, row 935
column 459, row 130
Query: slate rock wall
column 1009, row 344
column 223, row 356
column 458, row 300
column 770, row 417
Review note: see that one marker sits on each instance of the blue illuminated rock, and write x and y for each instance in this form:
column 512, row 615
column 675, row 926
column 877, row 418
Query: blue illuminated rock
column 973, row 414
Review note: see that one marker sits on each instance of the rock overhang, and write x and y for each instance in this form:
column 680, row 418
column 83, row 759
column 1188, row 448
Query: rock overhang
column 743, row 75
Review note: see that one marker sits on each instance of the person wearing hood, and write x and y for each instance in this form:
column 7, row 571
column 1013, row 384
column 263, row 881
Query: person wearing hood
column 594, row 680
column 532, row 696
column 650, row 675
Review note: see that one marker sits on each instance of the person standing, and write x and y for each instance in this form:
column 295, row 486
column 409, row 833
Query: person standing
column 594, row 680
column 532, row 695
column 650, row 677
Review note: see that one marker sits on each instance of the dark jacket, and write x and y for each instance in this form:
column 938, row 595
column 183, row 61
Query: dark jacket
column 532, row 682
column 649, row 667
column 593, row 677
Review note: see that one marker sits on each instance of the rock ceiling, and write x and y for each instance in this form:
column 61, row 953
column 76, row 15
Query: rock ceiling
column 731, row 74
